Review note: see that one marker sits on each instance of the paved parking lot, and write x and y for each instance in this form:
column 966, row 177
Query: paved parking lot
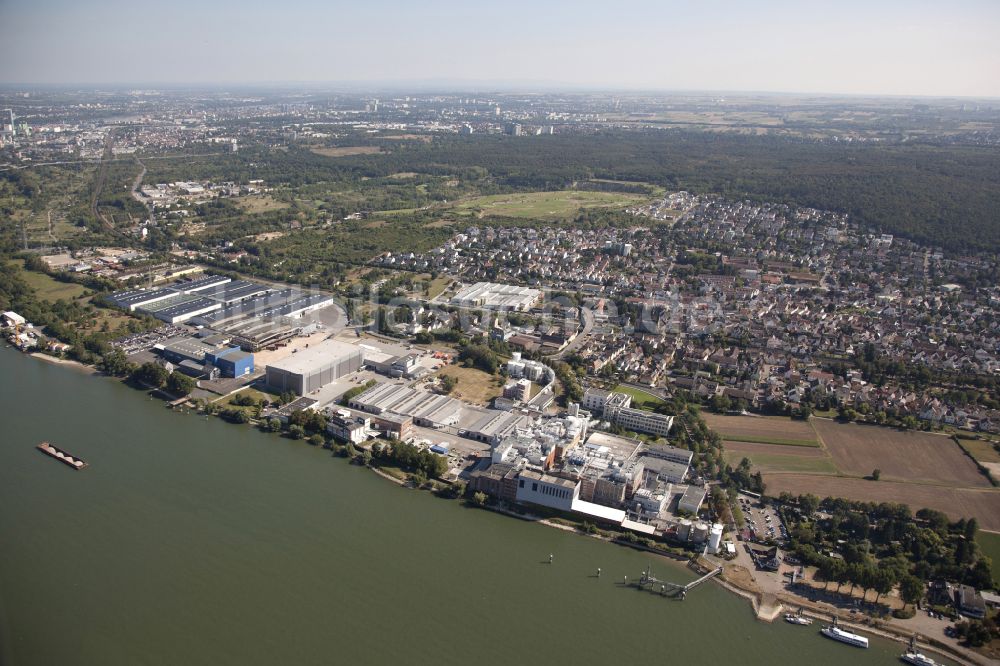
column 139, row 342
column 764, row 523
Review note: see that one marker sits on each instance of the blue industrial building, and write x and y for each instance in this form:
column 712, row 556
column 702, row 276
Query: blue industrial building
column 232, row 362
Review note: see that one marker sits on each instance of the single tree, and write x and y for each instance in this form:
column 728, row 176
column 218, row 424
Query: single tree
column 911, row 589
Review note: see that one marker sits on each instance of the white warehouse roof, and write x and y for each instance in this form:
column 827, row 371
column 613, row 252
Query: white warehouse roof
column 318, row 355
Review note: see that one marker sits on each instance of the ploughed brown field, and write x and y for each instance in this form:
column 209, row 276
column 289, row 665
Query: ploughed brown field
column 920, row 457
column 750, row 448
column 759, row 427
column 983, row 504
column 919, row 469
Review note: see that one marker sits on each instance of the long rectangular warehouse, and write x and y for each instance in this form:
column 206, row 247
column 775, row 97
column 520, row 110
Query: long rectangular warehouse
column 134, row 299
column 208, row 282
column 181, row 312
column 254, row 306
column 314, row 368
column 235, row 292
column 496, row 296
column 426, row 408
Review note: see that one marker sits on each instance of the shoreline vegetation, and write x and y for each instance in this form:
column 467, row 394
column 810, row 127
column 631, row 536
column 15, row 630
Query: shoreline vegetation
column 766, row 607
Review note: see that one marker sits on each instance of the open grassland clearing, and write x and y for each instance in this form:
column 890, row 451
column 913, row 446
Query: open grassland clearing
column 857, row 450
column 347, row 151
column 777, row 430
column 437, row 286
column 982, row 450
column 551, row 205
column 260, row 204
column 48, row 288
column 426, row 138
column 654, row 190
column 981, row 503
column 473, row 385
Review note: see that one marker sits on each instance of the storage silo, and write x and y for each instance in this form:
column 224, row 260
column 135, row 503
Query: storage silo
column 715, row 538
column 699, row 533
column 684, row 530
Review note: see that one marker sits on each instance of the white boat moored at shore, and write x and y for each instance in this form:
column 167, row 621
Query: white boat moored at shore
column 838, row 634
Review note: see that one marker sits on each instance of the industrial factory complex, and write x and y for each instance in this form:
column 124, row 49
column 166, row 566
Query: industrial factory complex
column 221, row 303
column 522, row 449
column 496, row 296
column 214, row 325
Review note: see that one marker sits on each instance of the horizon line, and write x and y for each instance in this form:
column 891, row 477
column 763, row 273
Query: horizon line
column 473, row 86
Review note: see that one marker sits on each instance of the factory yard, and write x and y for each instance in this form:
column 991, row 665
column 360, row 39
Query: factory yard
column 901, row 456
column 957, row 503
column 474, row 386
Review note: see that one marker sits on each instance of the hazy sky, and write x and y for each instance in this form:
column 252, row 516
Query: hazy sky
column 940, row 47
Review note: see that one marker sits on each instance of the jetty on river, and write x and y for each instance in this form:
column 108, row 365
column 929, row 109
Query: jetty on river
column 674, row 589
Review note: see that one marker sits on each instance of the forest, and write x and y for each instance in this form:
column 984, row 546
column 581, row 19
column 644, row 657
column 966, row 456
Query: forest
column 941, row 195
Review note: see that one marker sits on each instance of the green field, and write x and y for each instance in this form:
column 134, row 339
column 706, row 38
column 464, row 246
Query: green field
column 980, row 450
column 770, row 440
column 561, row 204
column 989, row 543
column 437, row 286
column 640, row 399
column 50, row 289
column 772, row 462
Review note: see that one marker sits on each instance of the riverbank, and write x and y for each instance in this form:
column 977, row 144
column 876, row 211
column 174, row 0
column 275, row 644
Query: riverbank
column 770, row 606
column 566, row 528
column 66, row 363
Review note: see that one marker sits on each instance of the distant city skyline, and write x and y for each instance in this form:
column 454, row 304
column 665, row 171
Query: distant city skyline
column 893, row 47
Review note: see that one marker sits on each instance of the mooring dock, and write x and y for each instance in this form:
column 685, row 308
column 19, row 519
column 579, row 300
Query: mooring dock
column 673, row 589
column 695, row 583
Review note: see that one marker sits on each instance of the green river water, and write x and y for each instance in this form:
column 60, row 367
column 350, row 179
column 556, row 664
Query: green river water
column 192, row 541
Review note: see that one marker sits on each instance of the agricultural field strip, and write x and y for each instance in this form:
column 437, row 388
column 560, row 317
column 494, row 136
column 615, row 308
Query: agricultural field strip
column 983, row 503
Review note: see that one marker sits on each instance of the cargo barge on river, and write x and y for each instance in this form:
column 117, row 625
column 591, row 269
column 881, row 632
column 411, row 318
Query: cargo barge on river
column 61, row 455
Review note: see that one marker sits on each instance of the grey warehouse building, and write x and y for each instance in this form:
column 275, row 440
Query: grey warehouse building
column 314, row 368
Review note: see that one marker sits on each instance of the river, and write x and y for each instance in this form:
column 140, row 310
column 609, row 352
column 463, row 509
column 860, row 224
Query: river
column 192, row 541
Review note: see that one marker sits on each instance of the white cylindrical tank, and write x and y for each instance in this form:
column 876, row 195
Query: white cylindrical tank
column 715, row 538
column 684, row 530
column 699, row 533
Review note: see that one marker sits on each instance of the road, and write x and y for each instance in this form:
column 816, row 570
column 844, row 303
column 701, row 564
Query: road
column 588, row 326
